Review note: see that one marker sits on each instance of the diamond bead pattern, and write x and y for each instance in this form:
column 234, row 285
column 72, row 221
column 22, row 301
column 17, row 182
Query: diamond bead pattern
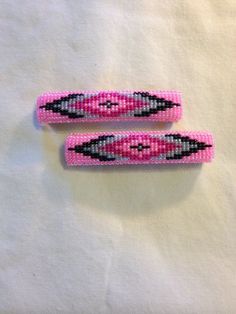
column 138, row 148
column 85, row 106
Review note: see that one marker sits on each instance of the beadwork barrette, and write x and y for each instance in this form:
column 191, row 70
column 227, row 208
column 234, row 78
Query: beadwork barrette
column 118, row 148
column 98, row 106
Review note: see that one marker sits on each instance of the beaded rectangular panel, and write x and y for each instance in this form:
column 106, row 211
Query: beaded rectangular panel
column 99, row 106
column 157, row 147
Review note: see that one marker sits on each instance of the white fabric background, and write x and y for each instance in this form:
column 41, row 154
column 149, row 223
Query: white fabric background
column 116, row 240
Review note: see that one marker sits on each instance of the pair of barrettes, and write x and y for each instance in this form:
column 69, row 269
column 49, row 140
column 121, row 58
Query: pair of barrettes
column 126, row 147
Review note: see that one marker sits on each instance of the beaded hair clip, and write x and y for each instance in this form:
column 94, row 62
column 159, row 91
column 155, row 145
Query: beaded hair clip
column 99, row 106
column 118, row 148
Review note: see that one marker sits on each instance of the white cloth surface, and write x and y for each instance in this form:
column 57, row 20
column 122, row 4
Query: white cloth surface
column 141, row 239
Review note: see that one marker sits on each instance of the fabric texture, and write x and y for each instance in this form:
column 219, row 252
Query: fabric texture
column 130, row 239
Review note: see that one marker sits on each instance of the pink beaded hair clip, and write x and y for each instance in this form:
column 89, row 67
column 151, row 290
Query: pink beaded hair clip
column 99, row 106
column 118, row 148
